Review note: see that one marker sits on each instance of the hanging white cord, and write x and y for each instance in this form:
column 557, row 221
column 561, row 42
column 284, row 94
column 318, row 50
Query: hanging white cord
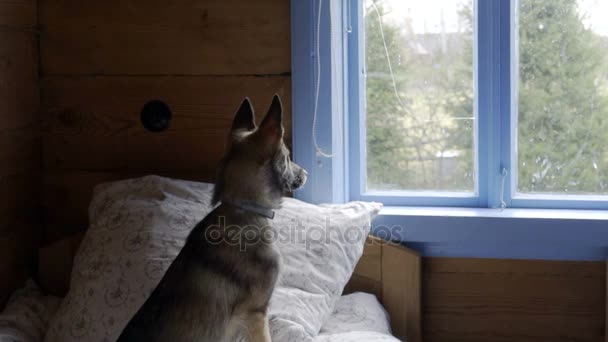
column 318, row 149
column 388, row 58
column 334, row 84
column 390, row 65
column 318, row 83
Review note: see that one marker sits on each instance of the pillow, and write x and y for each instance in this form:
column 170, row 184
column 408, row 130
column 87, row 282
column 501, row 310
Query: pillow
column 357, row 311
column 356, row 336
column 27, row 314
column 319, row 247
column 138, row 227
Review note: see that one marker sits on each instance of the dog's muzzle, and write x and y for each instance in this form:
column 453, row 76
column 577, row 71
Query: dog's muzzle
column 299, row 180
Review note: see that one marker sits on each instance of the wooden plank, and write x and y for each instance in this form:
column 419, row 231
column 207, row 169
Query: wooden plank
column 401, row 292
column 93, row 123
column 185, row 37
column 18, row 200
column 66, row 198
column 20, row 151
column 370, row 264
column 55, row 262
column 367, row 276
column 516, row 300
column 19, row 142
column 16, row 260
column 19, row 98
column 18, row 13
column 359, row 283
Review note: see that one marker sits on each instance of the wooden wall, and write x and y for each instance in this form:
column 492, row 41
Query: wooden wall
column 513, row 300
column 103, row 60
column 19, row 139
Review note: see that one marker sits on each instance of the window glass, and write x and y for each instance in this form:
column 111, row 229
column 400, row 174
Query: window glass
column 562, row 96
column 420, row 118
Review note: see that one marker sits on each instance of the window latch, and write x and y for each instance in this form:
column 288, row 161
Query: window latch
column 504, row 173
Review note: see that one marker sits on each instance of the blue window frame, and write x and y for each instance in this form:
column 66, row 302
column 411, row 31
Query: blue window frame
column 467, row 230
column 343, row 177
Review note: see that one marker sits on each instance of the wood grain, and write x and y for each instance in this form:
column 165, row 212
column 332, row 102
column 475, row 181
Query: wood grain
column 367, row 276
column 18, row 195
column 18, row 13
column 401, row 287
column 18, row 230
column 16, row 251
column 513, row 300
column 55, row 262
column 19, row 142
column 184, row 37
column 20, row 151
column 18, row 80
column 93, row 123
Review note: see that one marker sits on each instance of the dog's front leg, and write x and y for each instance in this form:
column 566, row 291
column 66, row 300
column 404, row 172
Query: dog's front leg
column 257, row 328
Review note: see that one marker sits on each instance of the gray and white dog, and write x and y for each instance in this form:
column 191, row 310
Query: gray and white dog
column 219, row 286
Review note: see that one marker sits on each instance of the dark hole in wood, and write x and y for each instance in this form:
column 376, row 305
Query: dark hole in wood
column 156, row 116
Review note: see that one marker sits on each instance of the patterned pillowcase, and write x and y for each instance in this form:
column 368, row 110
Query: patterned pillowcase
column 27, row 314
column 138, row 227
column 319, row 247
column 357, row 312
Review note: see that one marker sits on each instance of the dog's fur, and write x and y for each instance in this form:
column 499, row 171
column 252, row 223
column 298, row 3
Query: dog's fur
column 219, row 286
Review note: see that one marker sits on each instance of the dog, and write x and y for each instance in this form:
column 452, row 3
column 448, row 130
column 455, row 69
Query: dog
column 219, row 286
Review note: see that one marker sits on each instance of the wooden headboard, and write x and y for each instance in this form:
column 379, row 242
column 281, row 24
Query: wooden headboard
column 393, row 273
column 390, row 271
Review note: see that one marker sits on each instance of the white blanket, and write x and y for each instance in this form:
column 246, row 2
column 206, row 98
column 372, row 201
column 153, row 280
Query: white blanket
column 357, row 317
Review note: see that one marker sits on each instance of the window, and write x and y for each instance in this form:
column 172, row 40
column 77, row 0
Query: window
column 500, row 63
column 419, row 129
column 479, row 103
column 562, row 97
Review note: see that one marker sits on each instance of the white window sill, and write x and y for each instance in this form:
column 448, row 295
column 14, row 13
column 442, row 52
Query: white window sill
column 492, row 233
column 516, row 213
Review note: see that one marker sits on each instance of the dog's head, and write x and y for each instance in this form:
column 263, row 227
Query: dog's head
column 257, row 165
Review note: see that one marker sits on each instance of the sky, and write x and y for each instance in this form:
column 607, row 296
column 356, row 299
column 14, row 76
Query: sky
column 426, row 14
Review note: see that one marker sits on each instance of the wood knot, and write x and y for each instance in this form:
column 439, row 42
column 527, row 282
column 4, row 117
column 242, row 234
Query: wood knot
column 205, row 18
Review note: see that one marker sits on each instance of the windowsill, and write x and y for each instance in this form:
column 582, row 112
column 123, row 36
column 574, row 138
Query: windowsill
column 515, row 213
column 492, row 233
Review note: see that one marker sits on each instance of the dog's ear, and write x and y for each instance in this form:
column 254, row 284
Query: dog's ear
column 244, row 117
column 271, row 127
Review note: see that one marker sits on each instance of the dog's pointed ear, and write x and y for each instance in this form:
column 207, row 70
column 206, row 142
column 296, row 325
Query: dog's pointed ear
column 244, row 117
column 271, row 127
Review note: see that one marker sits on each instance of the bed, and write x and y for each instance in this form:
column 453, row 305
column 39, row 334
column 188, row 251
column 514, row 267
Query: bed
column 389, row 271
column 137, row 227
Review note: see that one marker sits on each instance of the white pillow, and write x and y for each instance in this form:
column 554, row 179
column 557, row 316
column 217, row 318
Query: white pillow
column 356, row 336
column 357, row 311
column 319, row 246
column 27, row 314
column 138, row 227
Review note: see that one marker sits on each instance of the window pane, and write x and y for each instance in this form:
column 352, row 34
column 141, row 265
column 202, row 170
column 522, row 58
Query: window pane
column 562, row 127
column 420, row 121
